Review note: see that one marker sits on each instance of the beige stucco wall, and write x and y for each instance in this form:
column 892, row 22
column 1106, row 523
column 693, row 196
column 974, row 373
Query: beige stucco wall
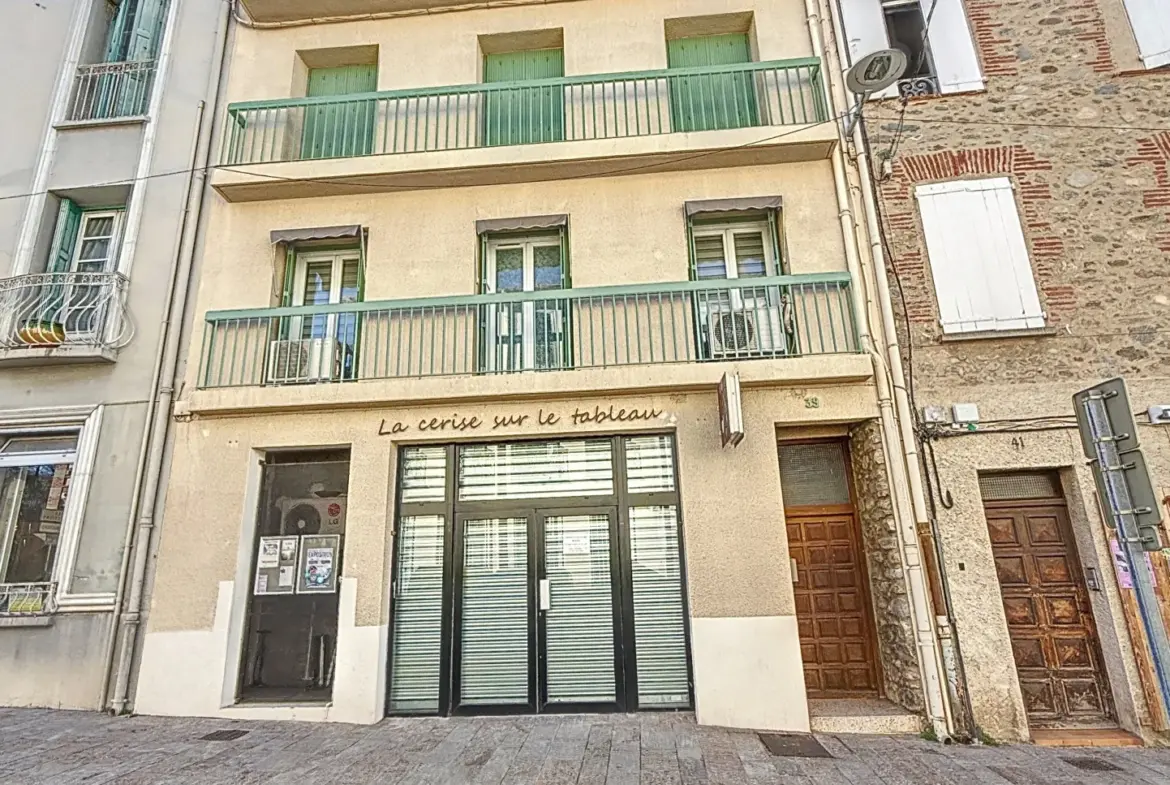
column 980, row 620
column 443, row 49
column 736, row 550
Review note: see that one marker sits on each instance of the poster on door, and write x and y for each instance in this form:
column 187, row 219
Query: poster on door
column 317, row 570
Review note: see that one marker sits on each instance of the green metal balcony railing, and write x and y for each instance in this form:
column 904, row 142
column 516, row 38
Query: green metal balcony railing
column 601, row 106
column 562, row 329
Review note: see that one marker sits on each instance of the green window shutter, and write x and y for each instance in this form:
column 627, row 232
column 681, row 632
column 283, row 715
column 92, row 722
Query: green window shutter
column 340, row 130
column 64, row 236
column 524, row 115
column 136, row 30
column 711, row 101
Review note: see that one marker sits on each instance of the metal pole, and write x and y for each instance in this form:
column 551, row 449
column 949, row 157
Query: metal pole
column 1120, row 506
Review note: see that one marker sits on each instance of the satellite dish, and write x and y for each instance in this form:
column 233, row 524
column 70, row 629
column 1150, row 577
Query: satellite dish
column 876, row 71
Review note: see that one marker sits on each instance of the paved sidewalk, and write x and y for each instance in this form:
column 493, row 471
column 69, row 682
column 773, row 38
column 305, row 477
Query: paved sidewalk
column 76, row 748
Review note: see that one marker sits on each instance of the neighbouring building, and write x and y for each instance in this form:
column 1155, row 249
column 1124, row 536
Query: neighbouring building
column 474, row 282
column 1025, row 197
column 104, row 113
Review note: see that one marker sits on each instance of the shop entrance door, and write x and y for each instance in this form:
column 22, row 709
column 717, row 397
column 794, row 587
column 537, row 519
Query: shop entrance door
column 537, row 612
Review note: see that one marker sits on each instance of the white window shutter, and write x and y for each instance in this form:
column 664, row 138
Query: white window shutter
column 952, row 46
column 865, row 27
column 1151, row 26
column 978, row 257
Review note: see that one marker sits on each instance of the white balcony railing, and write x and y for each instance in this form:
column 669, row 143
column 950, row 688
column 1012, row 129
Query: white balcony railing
column 49, row 310
column 106, row 91
column 27, row 599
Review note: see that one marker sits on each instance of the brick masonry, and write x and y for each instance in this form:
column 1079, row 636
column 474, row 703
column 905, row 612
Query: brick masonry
column 1093, row 189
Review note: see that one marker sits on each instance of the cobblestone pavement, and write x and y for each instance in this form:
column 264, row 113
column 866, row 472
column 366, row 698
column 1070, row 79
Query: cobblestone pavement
column 76, row 748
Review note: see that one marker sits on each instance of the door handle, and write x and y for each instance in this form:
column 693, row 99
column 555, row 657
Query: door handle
column 795, row 572
column 545, row 595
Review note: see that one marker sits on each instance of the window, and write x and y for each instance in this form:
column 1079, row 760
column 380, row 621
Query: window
column 524, row 115
column 346, row 128
column 978, row 257
column 945, row 63
column 706, row 102
column 1151, row 27
column 35, row 473
column 136, row 30
column 85, row 241
column 330, row 339
column 738, row 321
column 528, row 334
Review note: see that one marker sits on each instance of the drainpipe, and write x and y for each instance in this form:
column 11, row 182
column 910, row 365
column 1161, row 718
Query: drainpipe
column 929, row 656
column 142, row 519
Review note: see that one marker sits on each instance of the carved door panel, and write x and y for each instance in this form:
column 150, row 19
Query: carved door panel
column 832, row 604
column 1054, row 640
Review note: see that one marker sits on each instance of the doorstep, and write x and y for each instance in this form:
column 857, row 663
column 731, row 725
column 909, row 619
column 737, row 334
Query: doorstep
column 862, row 715
column 1084, row 737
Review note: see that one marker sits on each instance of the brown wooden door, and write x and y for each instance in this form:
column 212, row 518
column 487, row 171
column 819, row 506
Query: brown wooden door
column 832, row 603
column 1049, row 620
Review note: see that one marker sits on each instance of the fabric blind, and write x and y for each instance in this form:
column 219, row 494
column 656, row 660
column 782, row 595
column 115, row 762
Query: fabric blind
column 659, row 621
column 424, row 474
column 418, row 613
column 978, row 256
column 649, row 464
column 813, row 474
column 749, row 204
column 493, row 225
column 1151, row 27
column 535, row 470
column 315, row 233
column 494, row 623
column 952, row 46
column 579, row 659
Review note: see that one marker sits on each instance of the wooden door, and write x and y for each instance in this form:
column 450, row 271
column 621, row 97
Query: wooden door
column 832, row 603
column 1054, row 640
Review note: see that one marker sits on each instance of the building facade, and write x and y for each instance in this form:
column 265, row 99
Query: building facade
column 478, row 414
column 1024, row 196
column 105, row 107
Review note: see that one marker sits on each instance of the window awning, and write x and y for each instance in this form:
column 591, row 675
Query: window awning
column 318, row 233
column 521, row 224
column 742, row 205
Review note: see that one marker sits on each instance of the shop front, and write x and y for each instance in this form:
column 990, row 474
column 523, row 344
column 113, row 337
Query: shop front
column 539, row 576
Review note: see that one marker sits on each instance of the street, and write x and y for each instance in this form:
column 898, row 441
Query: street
column 70, row 748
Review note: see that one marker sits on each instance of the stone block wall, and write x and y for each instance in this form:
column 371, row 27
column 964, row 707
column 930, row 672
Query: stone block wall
column 887, row 582
column 1068, row 116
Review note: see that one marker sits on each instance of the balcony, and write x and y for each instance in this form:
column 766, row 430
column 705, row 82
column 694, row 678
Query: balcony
column 62, row 318
column 105, row 92
column 590, row 339
column 520, row 131
column 291, row 10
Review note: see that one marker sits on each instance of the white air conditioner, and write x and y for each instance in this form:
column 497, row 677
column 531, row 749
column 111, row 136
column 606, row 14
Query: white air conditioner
column 313, row 515
column 745, row 332
column 304, row 360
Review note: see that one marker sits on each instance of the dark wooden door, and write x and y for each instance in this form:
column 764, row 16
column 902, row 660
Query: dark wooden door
column 1049, row 620
column 832, row 604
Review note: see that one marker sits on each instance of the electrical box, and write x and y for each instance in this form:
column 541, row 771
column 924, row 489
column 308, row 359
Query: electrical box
column 965, row 412
column 935, row 414
column 1160, row 414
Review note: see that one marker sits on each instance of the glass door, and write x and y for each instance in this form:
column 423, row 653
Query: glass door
column 531, row 334
column 536, row 614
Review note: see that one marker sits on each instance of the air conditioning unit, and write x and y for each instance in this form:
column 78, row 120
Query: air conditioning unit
column 313, row 515
column 304, row 360
column 746, row 332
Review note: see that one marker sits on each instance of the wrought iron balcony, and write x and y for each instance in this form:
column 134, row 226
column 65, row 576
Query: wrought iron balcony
column 59, row 313
column 555, row 330
column 27, row 599
column 107, row 91
column 572, row 108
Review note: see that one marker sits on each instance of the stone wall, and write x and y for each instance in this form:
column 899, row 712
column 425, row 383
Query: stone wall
column 887, row 581
column 1067, row 117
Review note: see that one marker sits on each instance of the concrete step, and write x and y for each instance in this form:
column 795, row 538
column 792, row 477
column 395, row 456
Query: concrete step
column 1084, row 737
column 862, row 715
